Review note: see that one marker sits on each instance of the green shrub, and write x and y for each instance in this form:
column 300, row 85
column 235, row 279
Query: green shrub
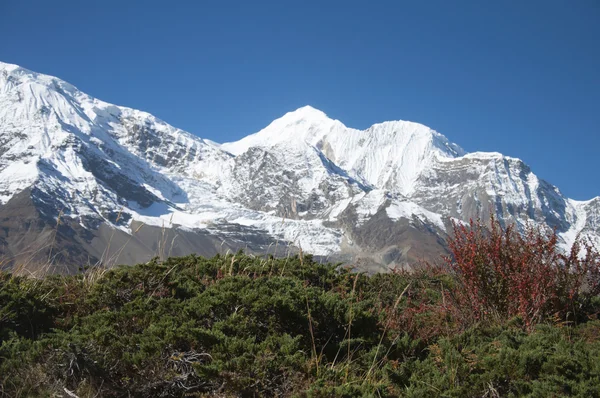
column 245, row 326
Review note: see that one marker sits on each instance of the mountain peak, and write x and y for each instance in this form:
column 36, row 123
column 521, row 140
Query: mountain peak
column 306, row 115
column 305, row 124
column 11, row 68
column 5, row 66
column 306, row 112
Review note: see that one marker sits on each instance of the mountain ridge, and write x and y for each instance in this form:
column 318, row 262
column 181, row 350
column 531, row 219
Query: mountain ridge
column 304, row 181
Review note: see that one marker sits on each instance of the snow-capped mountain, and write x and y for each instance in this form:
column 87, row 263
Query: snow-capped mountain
column 84, row 181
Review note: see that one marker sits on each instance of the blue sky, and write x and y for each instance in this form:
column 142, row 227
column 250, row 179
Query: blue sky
column 517, row 77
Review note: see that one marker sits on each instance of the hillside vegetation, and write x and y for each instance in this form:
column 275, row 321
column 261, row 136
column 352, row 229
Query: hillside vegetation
column 507, row 315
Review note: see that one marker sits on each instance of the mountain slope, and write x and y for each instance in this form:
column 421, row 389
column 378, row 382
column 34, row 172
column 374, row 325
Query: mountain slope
column 114, row 177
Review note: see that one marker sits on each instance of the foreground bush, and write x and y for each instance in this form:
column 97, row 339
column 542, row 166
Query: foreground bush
column 246, row 326
column 502, row 273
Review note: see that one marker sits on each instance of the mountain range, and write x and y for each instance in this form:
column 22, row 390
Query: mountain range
column 85, row 182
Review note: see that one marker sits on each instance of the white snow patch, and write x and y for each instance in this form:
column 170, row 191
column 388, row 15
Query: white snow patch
column 408, row 210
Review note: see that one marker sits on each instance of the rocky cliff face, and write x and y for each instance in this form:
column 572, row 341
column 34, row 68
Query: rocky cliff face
column 83, row 181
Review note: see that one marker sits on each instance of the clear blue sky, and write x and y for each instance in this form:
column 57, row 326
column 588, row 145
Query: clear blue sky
column 517, row 77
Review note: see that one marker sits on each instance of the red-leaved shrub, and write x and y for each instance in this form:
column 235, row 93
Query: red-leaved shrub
column 502, row 273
